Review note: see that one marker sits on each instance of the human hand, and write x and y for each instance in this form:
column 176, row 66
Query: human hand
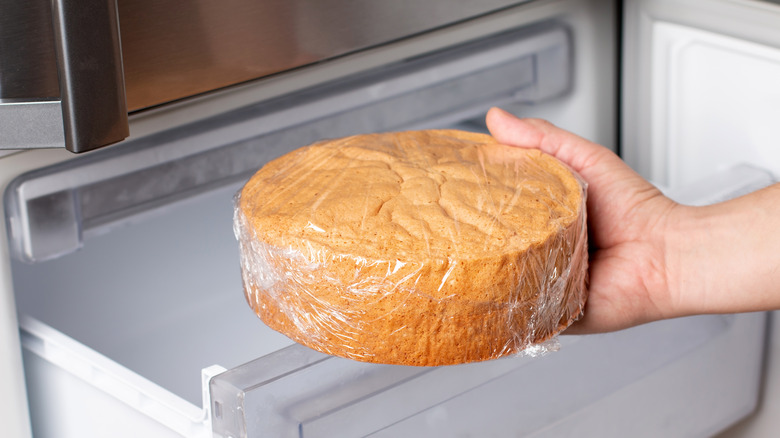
column 631, row 276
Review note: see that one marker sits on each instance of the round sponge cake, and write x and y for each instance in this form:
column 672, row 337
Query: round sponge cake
column 417, row 248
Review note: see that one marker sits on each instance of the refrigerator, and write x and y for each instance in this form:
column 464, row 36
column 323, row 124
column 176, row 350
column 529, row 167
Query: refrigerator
column 127, row 127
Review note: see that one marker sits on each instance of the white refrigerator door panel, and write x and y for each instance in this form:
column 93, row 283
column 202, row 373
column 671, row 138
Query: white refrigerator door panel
column 700, row 90
column 722, row 104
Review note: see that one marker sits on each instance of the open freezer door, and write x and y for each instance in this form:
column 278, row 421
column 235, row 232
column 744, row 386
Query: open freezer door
column 701, row 94
column 599, row 385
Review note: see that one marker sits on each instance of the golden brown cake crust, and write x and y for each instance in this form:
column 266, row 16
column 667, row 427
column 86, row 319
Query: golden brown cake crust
column 419, row 248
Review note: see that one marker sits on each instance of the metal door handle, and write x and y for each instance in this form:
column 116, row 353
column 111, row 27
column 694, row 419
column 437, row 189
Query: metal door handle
column 91, row 111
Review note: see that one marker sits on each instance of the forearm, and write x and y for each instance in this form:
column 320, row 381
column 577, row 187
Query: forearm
column 725, row 258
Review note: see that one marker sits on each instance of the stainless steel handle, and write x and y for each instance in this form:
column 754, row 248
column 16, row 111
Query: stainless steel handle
column 92, row 85
column 91, row 111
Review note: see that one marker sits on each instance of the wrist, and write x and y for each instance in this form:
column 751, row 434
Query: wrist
column 682, row 244
column 724, row 258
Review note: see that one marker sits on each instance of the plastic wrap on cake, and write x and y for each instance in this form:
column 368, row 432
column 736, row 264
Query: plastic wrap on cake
column 417, row 248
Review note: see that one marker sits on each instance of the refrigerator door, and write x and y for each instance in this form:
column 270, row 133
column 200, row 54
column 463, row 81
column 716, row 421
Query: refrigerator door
column 701, row 93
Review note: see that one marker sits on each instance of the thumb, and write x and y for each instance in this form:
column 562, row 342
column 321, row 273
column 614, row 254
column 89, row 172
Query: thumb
column 597, row 165
column 613, row 187
column 587, row 158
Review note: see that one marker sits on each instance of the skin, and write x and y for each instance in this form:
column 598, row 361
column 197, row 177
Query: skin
column 652, row 258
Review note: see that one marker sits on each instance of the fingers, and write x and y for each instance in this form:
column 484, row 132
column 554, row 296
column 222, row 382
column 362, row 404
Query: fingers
column 619, row 296
column 587, row 158
column 607, row 308
column 626, row 286
column 613, row 187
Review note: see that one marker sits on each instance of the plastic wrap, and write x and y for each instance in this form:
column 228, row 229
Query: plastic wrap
column 415, row 248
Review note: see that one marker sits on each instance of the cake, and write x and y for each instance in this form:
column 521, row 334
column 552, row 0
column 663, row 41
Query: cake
column 426, row 248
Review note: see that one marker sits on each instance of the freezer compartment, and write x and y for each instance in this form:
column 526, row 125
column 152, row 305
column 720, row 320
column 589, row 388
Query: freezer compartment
column 159, row 338
column 126, row 275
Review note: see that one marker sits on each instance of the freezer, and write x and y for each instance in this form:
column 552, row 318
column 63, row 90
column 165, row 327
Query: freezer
column 124, row 312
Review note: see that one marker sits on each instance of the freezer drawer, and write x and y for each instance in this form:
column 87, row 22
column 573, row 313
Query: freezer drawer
column 300, row 393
